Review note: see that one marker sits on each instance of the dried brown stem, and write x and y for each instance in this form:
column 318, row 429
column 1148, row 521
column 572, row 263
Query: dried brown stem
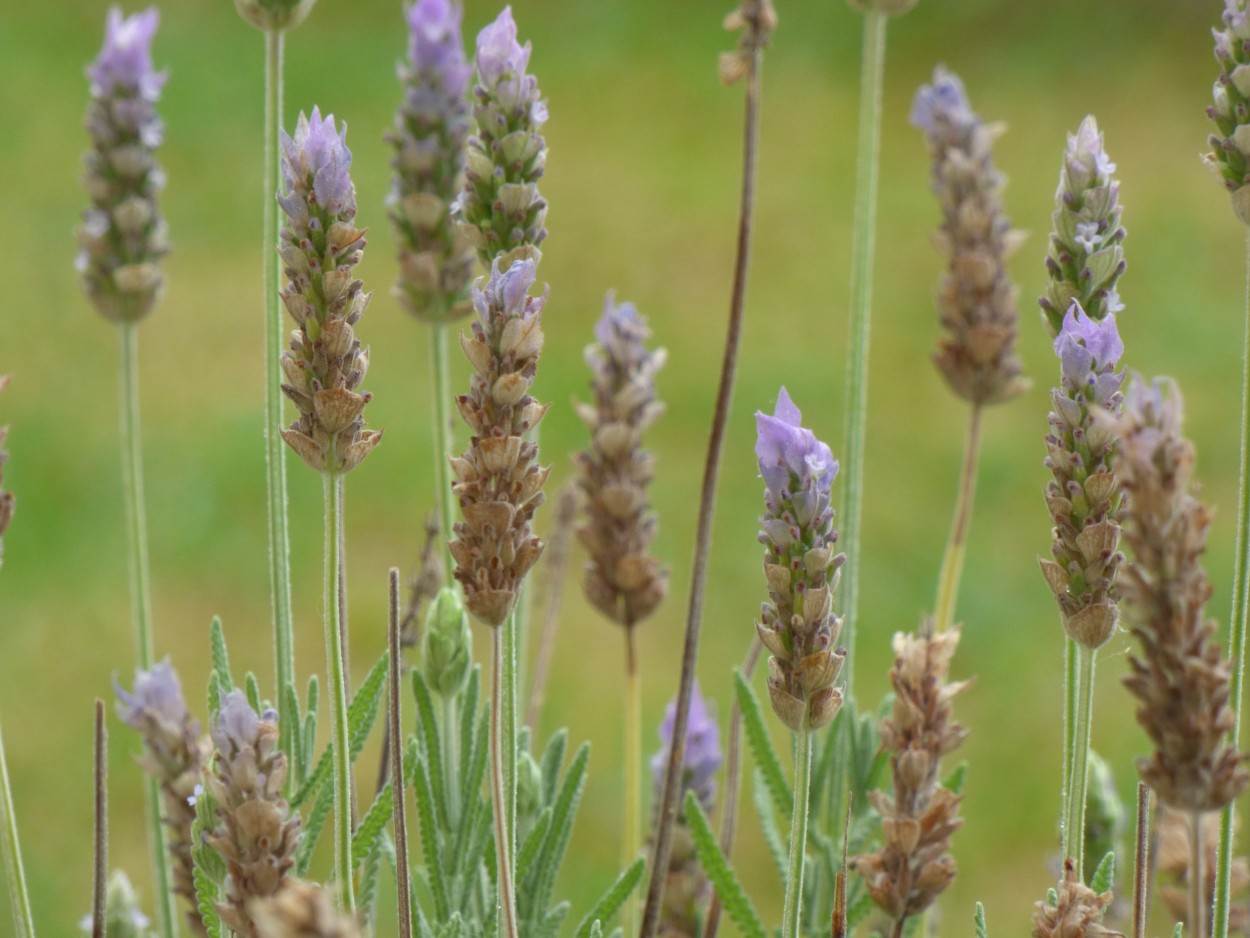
column 1141, row 861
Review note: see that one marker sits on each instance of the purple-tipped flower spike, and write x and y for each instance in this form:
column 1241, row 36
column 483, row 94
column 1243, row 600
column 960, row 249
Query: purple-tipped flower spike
column 255, row 833
column 1083, row 497
column 1229, row 159
column 1181, row 678
column 797, row 624
column 6, row 498
column 686, row 889
column 500, row 210
column 174, row 755
column 1085, row 258
column 622, row 579
column 498, row 479
column 976, row 299
column 274, row 15
column 122, row 236
column 320, row 246
column 431, row 125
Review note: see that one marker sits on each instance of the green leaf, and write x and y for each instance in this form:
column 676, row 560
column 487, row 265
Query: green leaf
column 317, row 781
column 756, row 733
column 1179, row 930
column 553, row 758
column 733, row 900
column 290, row 715
column 954, row 783
column 314, row 691
column 369, row 884
column 309, row 743
column 207, row 895
column 612, row 900
column 314, row 824
column 364, row 707
column 532, row 844
column 208, row 869
column 553, row 920
column 768, row 823
column 433, row 744
column 596, row 930
column 221, row 681
column 978, row 921
column 252, row 687
column 563, row 811
column 858, row 910
column 372, row 824
column 431, row 843
column 1104, row 876
column 1052, row 897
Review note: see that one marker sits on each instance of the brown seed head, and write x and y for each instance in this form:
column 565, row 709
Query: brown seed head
column 301, row 910
column 1078, row 912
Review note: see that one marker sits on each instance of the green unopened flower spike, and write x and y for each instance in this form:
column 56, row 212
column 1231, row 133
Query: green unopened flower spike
column 1229, row 159
column 447, row 645
column 122, row 916
column 500, row 210
column 122, row 237
column 274, row 16
column 320, row 248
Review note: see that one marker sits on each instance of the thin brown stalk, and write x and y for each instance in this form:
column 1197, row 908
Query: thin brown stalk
column 503, row 836
column 1141, row 861
column 548, row 593
column 703, row 539
column 396, row 747
column 1197, row 878
column 101, row 834
column 733, row 775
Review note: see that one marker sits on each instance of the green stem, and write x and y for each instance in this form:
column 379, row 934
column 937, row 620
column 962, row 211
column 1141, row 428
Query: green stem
column 141, row 601
column 1197, row 878
column 403, row 883
column 631, row 835
column 499, row 783
column 1071, row 690
column 100, row 840
column 1074, row 823
column 333, row 488
column 956, row 546
column 451, row 760
column 15, row 876
column 792, row 921
column 1237, row 640
column 275, row 449
column 871, row 83
column 441, row 376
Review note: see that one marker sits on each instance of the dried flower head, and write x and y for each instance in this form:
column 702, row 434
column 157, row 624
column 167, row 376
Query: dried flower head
column 301, row 910
column 1082, row 497
column 976, row 299
column 622, row 579
column 1181, row 679
column 498, row 479
column 255, row 833
column 500, row 210
column 435, row 259
column 756, row 19
column 175, row 753
column 1172, row 862
column 914, row 865
column 123, row 236
column 1085, row 257
column 320, row 246
column 797, row 624
column 1076, row 913
column 274, row 15
column 6, row 498
column 1229, row 159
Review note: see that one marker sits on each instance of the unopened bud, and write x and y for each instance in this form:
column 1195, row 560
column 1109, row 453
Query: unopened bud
column 447, row 655
column 274, row 15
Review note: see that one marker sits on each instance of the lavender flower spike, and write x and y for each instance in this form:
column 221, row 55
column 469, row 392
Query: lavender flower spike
column 1085, row 257
column 1229, row 159
column 500, row 210
column 122, row 236
column 976, row 298
column 686, row 888
column 1083, row 497
column 320, row 247
column 797, row 624
column 431, row 125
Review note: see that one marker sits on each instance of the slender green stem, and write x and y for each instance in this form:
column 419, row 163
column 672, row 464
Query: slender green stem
column 100, row 838
column 631, row 834
column 498, row 786
column 451, row 760
column 1197, row 878
column 141, row 601
column 395, row 741
column 1074, row 823
column 14, row 874
column 441, row 377
column 1071, row 690
column 509, row 727
column 1237, row 640
column 791, row 925
column 275, row 450
column 870, row 89
column 956, row 546
column 333, row 488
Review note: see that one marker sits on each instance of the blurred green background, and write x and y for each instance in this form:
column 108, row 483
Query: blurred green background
column 642, row 183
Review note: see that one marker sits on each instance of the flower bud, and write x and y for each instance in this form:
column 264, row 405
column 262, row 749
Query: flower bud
column 274, row 16
column 447, row 646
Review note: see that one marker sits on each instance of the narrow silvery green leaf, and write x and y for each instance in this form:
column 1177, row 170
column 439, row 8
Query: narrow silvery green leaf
column 433, row 745
column 372, row 824
column 532, row 844
column 767, row 814
column 756, row 732
column 1104, row 875
column 553, row 758
column 314, row 824
column 431, row 843
column 1178, row 930
column 733, row 899
column 612, row 900
column 366, row 898
column 221, row 661
column 564, row 810
column 954, row 782
column 290, row 712
column 364, row 706
column 978, row 921
column 252, row 688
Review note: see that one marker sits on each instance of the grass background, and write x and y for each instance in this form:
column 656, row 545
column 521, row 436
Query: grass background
column 642, row 182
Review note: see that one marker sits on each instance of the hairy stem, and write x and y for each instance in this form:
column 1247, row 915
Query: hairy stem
column 333, row 488
column 14, row 874
column 791, row 925
column 667, row 808
column 440, row 374
column 498, row 784
column 1071, row 690
column 1237, row 640
column 1141, row 861
column 1074, row 821
column 1197, row 881
column 956, row 546
column 100, row 834
column 631, row 833
column 402, row 882
column 555, row 563
column 871, row 83
column 275, row 450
